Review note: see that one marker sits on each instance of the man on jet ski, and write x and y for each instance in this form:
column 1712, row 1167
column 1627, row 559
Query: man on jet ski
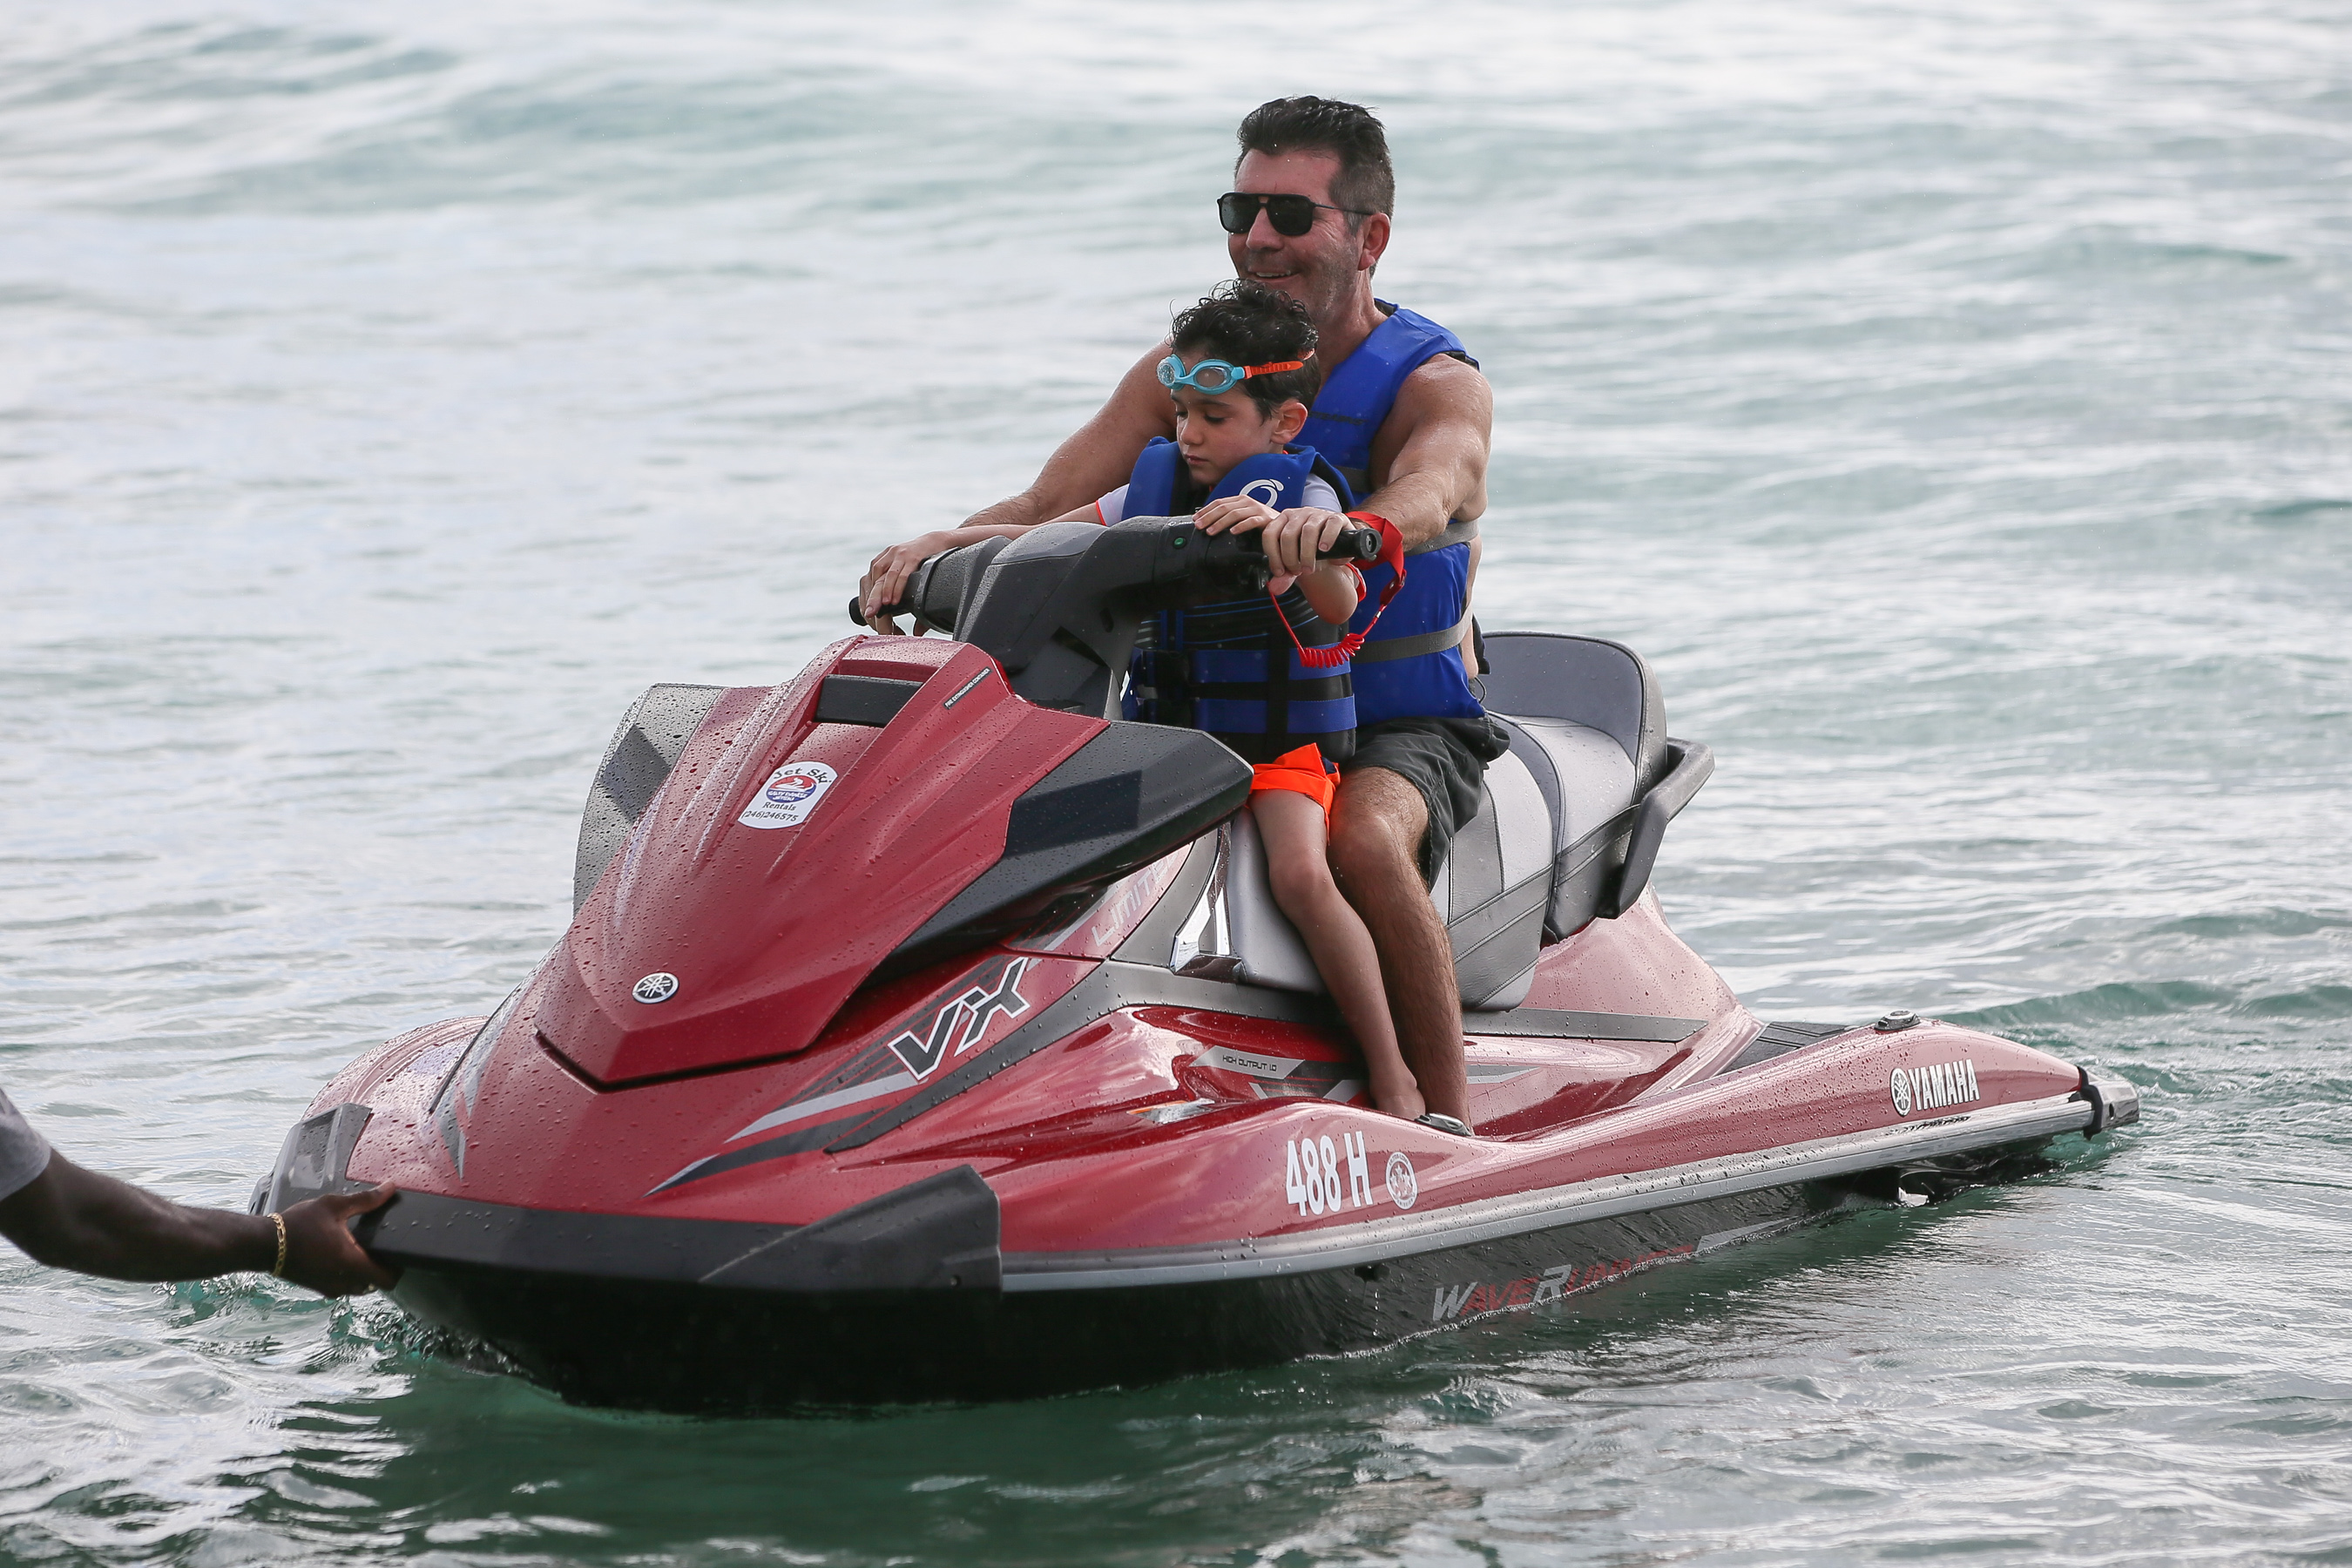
column 1407, row 418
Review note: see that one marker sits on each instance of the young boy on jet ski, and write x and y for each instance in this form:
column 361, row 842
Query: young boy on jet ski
column 1242, row 377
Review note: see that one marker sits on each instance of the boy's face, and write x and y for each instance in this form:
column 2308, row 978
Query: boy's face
column 1214, row 433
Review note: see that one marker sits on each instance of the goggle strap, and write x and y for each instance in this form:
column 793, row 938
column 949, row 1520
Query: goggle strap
column 1179, row 376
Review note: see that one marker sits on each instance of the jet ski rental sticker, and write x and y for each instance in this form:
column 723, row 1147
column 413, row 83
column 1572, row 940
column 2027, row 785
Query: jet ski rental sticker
column 788, row 797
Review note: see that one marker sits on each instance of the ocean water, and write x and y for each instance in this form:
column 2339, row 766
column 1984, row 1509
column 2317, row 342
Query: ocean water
column 1951, row 401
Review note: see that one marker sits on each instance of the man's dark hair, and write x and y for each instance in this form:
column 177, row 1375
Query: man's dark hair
column 1365, row 182
column 1244, row 322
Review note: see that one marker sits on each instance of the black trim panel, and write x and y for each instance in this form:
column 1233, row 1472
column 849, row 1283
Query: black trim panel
column 427, row 1228
column 869, row 699
column 315, row 1158
column 943, row 1232
column 1128, row 797
column 1153, row 940
column 1778, row 1039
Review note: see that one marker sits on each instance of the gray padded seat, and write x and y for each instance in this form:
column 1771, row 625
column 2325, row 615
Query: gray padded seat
column 1494, row 885
column 1586, row 717
column 1492, row 890
column 1587, row 782
column 1258, row 932
column 1588, row 736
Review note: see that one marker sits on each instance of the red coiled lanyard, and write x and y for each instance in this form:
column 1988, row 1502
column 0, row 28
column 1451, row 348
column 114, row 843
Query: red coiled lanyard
column 1341, row 652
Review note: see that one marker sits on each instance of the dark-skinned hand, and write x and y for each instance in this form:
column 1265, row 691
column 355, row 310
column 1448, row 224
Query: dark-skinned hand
column 321, row 1254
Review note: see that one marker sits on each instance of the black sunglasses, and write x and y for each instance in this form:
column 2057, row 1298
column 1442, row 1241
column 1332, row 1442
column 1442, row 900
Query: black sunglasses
column 1292, row 215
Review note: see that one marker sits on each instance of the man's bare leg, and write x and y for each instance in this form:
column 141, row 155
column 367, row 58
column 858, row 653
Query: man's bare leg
column 1377, row 825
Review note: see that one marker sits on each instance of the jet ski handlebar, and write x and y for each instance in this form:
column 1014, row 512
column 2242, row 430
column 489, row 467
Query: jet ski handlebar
column 938, row 587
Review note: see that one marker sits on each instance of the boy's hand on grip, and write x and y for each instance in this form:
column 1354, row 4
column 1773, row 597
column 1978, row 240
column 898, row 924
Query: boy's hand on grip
column 1238, row 514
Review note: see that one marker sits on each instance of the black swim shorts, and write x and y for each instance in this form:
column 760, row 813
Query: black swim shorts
column 1445, row 760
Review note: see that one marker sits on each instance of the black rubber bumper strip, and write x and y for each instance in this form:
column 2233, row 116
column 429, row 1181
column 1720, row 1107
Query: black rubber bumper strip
column 943, row 1232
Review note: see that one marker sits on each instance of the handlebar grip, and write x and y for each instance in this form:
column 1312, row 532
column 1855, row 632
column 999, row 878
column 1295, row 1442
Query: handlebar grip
column 858, row 612
column 1353, row 544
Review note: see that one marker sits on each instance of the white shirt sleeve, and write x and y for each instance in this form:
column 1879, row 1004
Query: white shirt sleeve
column 1112, row 507
column 24, row 1154
column 1320, row 493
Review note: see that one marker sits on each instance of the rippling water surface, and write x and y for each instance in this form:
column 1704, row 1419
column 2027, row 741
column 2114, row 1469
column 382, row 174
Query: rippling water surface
column 1952, row 401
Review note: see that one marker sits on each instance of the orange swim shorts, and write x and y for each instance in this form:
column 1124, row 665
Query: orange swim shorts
column 1303, row 772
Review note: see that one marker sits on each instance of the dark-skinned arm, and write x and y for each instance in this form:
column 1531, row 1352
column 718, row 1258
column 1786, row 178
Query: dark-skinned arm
column 1090, row 464
column 71, row 1218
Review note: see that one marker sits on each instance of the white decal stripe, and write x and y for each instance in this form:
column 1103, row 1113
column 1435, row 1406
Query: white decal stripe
column 825, row 1102
column 1249, row 1064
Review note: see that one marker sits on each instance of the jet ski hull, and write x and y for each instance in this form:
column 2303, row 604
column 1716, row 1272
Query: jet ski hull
column 680, row 1346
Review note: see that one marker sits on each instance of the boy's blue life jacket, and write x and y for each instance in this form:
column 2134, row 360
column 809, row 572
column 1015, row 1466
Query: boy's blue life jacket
column 1229, row 668
column 1410, row 666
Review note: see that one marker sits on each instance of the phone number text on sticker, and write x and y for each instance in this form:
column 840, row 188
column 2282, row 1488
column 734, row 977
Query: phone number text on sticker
column 788, row 797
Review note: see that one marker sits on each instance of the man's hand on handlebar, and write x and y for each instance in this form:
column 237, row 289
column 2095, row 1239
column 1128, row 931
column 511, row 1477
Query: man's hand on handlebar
column 1295, row 540
column 886, row 580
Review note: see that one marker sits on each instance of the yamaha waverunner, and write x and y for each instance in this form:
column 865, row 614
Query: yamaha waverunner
column 925, row 1031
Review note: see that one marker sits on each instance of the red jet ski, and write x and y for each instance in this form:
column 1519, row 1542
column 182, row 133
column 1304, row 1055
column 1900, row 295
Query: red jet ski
column 925, row 1031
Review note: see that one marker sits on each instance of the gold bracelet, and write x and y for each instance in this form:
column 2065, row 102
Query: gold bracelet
column 279, row 1268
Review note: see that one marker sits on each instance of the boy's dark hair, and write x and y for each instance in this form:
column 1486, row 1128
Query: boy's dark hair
column 1244, row 322
column 1365, row 182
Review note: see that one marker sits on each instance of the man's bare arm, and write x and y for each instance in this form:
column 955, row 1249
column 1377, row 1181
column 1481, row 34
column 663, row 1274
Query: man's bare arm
column 1431, row 456
column 1098, row 456
column 68, row 1217
column 1090, row 464
column 1430, row 453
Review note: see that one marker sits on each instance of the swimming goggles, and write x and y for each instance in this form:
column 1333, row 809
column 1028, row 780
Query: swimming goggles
column 1213, row 377
column 1292, row 215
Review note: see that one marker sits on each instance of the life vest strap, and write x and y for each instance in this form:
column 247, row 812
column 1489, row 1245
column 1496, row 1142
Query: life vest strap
column 1454, row 532
column 1414, row 647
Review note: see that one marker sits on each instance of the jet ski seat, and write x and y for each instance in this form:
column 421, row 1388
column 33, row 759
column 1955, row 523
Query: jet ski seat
column 1544, row 854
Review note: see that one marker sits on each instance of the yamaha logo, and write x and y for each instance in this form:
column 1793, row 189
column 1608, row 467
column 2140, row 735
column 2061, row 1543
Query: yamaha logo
column 658, row 986
column 1936, row 1086
column 1266, row 492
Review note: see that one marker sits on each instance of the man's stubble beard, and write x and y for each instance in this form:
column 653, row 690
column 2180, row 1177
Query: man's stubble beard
column 1327, row 292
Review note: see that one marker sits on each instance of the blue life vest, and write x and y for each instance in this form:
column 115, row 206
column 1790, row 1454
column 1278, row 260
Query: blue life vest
column 1411, row 666
column 1229, row 668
